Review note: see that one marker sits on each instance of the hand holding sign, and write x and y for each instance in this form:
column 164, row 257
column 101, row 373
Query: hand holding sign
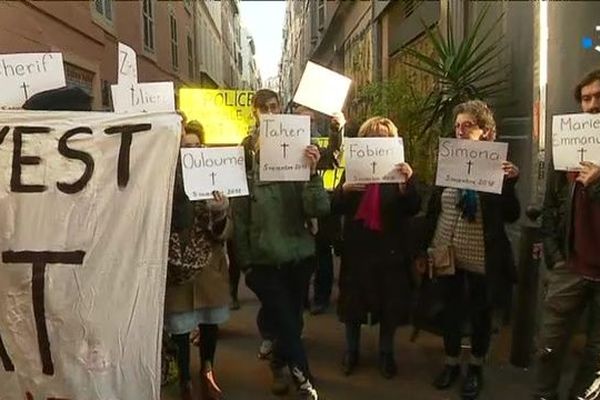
column 589, row 174
column 313, row 155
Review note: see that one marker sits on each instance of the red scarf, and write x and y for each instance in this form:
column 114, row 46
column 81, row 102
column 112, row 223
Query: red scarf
column 368, row 211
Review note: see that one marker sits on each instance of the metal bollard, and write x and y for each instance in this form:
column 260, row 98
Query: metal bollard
column 525, row 322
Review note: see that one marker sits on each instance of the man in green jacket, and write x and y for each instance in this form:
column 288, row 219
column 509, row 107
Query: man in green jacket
column 571, row 233
column 275, row 248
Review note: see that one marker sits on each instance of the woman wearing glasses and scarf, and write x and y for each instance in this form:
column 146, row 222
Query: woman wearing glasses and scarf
column 473, row 224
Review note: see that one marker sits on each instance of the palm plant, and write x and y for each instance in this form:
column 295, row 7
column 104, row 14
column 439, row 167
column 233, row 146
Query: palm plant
column 461, row 71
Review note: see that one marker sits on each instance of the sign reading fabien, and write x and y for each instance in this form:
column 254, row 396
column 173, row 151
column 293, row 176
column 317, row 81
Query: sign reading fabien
column 471, row 164
column 373, row 160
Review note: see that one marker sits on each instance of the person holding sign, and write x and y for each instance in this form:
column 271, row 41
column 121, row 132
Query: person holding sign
column 197, row 295
column 275, row 248
column 470, row 254
column 571, row 234
column 375, row 267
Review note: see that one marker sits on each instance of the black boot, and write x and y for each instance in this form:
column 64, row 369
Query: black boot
column 349, row 362
column 387, row 365
column 473, row 382
column 447, row 377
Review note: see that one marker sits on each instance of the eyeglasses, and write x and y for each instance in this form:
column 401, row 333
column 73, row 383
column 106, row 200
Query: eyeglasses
column 465, row 126
column 272, row 108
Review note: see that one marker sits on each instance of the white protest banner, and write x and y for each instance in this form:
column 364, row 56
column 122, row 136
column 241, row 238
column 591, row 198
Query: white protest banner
column 322, row 89
column 85, row 207
column 23, row 75
column 575, row 138
column 143, row 97
column 214, row 168
column 471, row 164
column 283, row 140
column 127, row 69
column 373, row 160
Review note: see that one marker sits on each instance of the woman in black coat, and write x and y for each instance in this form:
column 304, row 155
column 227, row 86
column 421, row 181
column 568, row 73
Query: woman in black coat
column 375, row 278
column 473, row 223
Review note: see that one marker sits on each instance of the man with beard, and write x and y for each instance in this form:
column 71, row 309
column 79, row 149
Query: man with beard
column 571, row 234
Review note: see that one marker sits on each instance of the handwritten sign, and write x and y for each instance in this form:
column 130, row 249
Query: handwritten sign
column 575, row 138
column 23, row 75
column 322, row 89
column 214, row 168
column 143, row 97
column 84, row 216
column 471, row 164
column 226, row 115
column 127, row 68
column 283, row 141
column 373, row 160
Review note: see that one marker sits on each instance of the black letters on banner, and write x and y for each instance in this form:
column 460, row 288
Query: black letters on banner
column 15, row 181
column 127, row 132
column 3, row 132
column 39, row 259
column 5, row 358
column 87, row 159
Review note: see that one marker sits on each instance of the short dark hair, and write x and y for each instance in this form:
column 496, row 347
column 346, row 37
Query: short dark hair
column 262, row 96
column 68, row 98
column 588, row 79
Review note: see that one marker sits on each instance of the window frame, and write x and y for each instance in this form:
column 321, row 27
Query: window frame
column 149, row 25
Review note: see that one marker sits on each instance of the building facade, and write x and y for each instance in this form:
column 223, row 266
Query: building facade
column 250, row 75
column 192, row 43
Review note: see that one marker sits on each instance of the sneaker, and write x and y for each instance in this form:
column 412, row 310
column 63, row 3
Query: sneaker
column 280, row 385
column 306, row 391
column 349, row 363
column 265, row 350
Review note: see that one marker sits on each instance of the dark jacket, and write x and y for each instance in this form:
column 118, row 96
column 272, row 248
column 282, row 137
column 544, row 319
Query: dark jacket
column 557, row 215
column 375, row 278
column 497, row 210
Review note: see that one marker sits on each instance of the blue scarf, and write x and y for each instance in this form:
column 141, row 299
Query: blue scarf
column 467, row 203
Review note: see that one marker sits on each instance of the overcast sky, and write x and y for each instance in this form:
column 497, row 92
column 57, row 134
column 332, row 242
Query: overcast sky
column 264, row 20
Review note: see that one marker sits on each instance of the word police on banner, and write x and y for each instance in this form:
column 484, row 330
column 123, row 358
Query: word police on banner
column 23, row 75
column 283, row 141
column 84, row 216
column 575, row 138
column 218, row 168
column 322, row 89
column 471, row 164
column 373, row 160
column 226, row 115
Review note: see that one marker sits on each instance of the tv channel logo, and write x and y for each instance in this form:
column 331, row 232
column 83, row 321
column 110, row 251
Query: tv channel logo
column 588, row 43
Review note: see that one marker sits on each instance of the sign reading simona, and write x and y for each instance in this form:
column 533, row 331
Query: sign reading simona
column 85, row 202
column 575, row 138
column 471, row 164
column 283, row 140
column 218, row 168
column 373, row 160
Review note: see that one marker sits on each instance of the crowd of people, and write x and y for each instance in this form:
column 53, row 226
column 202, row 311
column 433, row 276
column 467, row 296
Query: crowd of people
column 284, row 232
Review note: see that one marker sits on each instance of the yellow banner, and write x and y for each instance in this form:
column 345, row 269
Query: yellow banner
column 226, row 115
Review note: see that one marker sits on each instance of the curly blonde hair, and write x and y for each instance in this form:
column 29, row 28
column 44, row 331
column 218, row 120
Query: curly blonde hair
column 377, row 124
column 481, row 112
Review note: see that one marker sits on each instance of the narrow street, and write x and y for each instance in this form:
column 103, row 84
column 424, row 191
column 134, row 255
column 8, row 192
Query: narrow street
column 243, row 377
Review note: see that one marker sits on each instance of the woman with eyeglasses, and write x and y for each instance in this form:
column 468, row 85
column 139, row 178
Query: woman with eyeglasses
column 197, row 296
column 473, row 223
